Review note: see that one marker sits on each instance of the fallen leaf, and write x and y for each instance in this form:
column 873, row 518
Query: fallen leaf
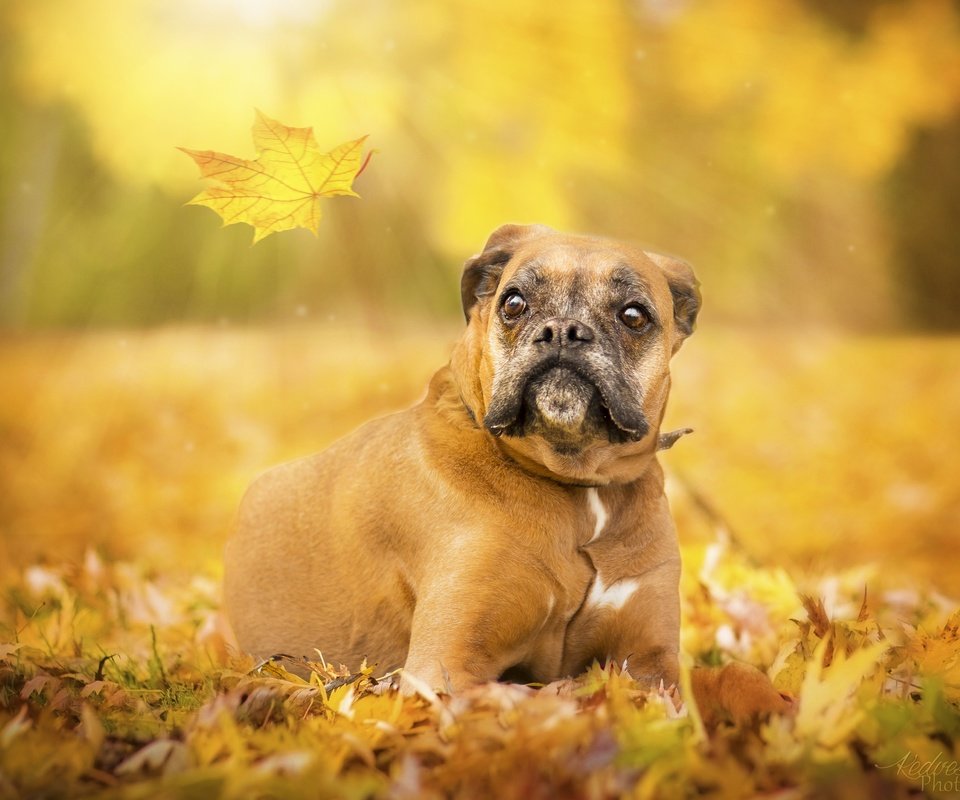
column 828, row 711
column 938, row 656
column 164, row 755
column 39, row 684
column 91, row 728
column 20, row 723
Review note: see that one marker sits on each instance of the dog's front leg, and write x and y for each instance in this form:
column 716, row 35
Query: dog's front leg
column 633, row 620
column 463, row 636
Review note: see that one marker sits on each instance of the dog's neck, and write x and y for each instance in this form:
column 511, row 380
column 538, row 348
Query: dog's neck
column 598, row 465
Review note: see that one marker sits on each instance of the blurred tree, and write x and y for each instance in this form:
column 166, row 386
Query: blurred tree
column 924, row 207
column 851, row 16
column 921, row 196
column 755, row 138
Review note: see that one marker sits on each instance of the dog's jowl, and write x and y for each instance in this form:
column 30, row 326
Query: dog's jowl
column 513, row 519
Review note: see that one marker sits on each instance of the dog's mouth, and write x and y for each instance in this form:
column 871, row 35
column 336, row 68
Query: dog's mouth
column 567, row 405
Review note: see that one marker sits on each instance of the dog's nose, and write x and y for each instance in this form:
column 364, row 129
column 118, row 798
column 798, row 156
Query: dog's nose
column 564, row 332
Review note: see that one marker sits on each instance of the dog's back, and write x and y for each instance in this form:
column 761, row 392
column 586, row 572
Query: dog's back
column 302, row 527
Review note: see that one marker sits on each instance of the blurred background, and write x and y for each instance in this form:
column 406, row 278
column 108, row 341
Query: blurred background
column 804, row 155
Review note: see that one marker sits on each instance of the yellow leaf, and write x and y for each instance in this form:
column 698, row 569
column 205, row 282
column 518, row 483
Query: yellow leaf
column 938, row 656
column 828, row 708
column 281, row 188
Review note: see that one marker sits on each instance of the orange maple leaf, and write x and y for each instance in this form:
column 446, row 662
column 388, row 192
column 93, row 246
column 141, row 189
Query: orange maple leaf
column 281, row 188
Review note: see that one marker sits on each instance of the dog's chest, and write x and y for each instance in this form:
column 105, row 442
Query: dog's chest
column 575, row 580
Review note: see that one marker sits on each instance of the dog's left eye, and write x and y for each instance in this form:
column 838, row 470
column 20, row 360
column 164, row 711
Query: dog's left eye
column 514, row 305
column 634, row 317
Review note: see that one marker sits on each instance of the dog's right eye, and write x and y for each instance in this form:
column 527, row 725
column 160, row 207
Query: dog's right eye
column 635, row 317
column 514, row 305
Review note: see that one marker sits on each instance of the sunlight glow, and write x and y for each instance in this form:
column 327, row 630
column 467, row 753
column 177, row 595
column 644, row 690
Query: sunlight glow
column 264, row 13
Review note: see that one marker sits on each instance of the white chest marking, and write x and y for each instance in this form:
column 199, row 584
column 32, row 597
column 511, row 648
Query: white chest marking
column 613, row 596
column 551, row 604
column 599, row 513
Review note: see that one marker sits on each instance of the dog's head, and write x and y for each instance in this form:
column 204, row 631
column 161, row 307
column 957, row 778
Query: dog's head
column 567, row 349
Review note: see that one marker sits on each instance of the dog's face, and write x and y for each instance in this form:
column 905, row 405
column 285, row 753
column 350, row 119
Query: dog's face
column 567, row 348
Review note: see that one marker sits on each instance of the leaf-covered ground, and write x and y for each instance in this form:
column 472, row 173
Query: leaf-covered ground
column 817, row 506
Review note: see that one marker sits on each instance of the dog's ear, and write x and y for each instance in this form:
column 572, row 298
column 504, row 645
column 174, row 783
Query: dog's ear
column 685, row 289
column 481, row 274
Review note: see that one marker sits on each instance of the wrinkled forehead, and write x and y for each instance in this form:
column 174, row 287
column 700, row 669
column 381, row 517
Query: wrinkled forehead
column 580, row 268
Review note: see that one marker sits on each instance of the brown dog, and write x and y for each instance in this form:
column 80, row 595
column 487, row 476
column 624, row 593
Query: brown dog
column 513, row 519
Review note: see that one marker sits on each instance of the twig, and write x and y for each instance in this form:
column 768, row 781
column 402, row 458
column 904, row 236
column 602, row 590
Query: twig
column 103, row 661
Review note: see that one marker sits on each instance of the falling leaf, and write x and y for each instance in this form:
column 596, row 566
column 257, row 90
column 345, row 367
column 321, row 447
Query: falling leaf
column 281, row 188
